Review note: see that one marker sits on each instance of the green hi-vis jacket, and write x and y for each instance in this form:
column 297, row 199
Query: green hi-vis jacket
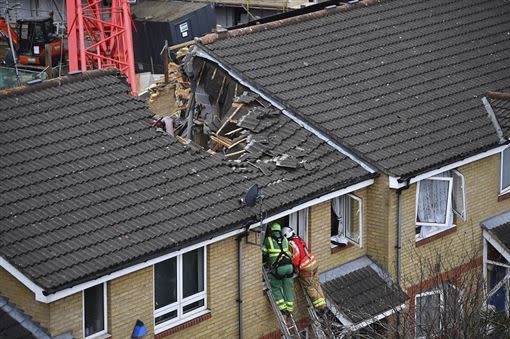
column 273, row 247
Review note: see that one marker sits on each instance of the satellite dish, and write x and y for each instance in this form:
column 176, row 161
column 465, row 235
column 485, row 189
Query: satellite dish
column 251, row 196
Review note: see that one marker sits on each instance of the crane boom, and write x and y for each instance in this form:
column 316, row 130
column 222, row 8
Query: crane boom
column 100, row 36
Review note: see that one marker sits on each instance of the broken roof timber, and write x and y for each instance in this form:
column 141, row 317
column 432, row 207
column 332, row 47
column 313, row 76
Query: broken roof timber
column 200, row 52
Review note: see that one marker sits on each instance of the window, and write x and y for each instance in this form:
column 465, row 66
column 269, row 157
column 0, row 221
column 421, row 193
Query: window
column 346, row 220
column 505, row 171
column 436, row 310
column 428, row 314
column 179, row 288
column 94, row 311
column 437, row 198
column 298, row 221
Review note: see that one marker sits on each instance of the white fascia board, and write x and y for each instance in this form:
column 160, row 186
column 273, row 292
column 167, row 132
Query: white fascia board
column 316, row 201
column 38, row 291
column 378, row 317
column 394, row 183
column 40, row 296
column 497, row 245
column 291, row 115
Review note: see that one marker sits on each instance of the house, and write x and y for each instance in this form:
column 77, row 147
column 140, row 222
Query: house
column 106, row 221
column 402, row 86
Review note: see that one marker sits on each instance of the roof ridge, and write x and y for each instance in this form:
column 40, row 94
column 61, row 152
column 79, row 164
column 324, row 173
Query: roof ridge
column 213, row 37
column 67, row 79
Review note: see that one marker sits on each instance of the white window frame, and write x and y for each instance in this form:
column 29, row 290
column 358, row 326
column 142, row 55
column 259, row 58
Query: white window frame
column 343, row 233
column 181, row 302
column 462, row 214
column 449, row 209
column 105, row 307
column 503, row 190
column 441, row 308
column 294, row 220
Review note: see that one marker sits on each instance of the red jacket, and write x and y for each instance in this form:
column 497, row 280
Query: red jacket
column 301, row 257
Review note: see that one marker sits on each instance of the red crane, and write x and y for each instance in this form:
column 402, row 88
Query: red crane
column 100, row 36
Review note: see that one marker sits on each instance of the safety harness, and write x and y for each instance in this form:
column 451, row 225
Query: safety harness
column 283, row 257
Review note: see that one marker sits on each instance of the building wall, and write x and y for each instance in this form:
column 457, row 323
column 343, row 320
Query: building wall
column 461, row 245
column 67, row 315
column 130, row 298
column 23, row 298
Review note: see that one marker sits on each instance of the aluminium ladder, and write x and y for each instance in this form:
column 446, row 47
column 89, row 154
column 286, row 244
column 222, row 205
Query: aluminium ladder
column 314, row 317
column 288, row 327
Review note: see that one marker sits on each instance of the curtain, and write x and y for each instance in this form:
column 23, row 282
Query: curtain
column 433, row 203
column 338, row 207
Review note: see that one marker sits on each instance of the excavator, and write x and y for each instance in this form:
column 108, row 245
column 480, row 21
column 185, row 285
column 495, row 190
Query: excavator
column 29, row 38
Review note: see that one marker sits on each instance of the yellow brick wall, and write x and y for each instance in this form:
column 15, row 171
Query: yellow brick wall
column 463, row 245
column 67, row 315
column 130, row 298
column 23, row 298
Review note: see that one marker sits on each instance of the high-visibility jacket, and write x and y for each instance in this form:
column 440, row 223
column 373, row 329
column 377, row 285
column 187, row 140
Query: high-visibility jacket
column 301, row 257
column 277, row 250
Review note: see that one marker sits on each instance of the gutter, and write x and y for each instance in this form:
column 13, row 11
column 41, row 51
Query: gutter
column 42, row 295
column 398, row 182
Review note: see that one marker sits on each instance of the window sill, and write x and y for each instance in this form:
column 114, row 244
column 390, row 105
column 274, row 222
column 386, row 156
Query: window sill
column 338, row 248
column 178, row 326
column 99, row 336
column 504, row 196
column 423, row 241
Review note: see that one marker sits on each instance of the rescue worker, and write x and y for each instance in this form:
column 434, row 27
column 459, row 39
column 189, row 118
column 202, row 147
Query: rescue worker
column 307, row 267
column 278, row 258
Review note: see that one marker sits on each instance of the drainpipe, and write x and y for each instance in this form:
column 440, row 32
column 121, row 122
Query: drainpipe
column 240, row 281
column 399, row 242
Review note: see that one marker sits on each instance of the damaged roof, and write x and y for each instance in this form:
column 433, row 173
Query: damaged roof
column 88, row 188
column 15, row 324
column 500, row 103
column 398, row 82
column 164, row 11
column 361, row 290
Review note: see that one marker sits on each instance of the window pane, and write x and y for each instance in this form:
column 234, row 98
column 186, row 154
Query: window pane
column 94, row 309
column 166, row 317
column 165, row 283
column 337, row 216
column 433, row 201
column 428, row 315
column 505, row 180
column 354, row 213
column 298, row 221
column 193, row 272
column 193, row 306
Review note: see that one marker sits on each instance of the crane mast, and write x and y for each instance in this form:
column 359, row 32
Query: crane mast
column 100, row 36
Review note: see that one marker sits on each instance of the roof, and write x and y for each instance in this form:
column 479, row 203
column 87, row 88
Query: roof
column 499, row 227
column 361, row 290
column 399, row 82
column 500, row 103
column 88, row 188
column 15, row 324
column 164, row 11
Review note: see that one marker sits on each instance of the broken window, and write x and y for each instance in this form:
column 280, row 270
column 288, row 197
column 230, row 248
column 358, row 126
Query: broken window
column 505, row 171
column 179, row 288
column 94, row 311
column 346, row 223
column 436, row 200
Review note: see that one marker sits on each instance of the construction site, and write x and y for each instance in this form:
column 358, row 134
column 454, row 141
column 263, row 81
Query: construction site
column 254, row 169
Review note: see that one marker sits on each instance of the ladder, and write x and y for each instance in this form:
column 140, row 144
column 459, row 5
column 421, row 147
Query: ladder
column 314, row 317
column 287, row 326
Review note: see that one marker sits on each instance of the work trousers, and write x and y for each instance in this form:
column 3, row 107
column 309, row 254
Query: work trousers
column 309, row 279
column 283, row 288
